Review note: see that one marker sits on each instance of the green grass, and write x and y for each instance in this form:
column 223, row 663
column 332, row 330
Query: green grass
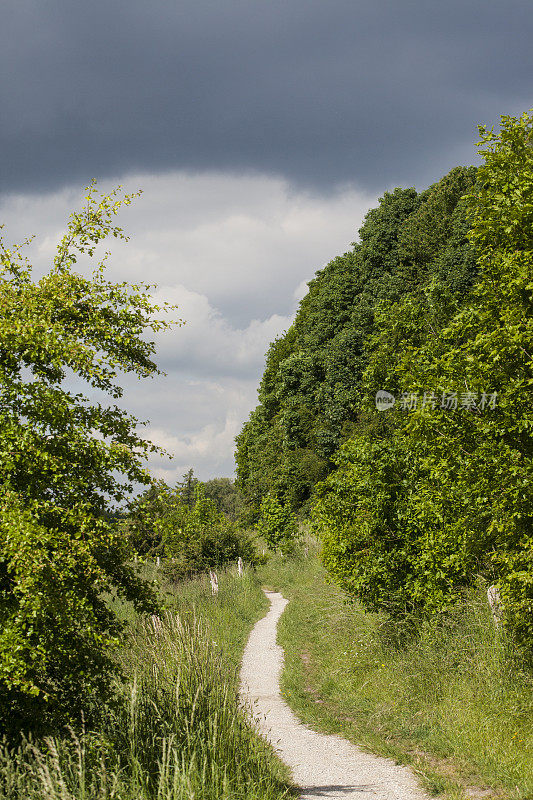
column 230, row 615
column 444, row 697
column 178, row 732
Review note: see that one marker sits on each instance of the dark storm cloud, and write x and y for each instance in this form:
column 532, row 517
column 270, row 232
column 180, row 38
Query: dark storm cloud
column 377, row 93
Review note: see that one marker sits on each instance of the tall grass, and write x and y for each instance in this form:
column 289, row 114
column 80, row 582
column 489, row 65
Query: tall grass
column 446, row 694
column 177, row 733
column 230, row 615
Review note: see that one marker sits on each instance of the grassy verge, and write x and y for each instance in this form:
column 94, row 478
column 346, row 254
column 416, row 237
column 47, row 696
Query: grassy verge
column 177, row 732
column 230, row 615
column 444, row 698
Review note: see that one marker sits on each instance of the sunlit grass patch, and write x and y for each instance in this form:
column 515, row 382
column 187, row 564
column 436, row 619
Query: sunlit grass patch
column 446, row 695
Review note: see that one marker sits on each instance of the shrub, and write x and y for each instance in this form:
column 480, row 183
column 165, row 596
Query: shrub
column 200, row 538
column 366, row 546
column 277, row 524
column 64, row 457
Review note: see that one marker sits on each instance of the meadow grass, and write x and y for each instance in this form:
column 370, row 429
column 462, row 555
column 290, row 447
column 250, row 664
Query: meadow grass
column 178, row 731
column 230, row 615
column 446, row 695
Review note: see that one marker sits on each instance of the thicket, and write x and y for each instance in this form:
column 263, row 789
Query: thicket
column 433, row 304
column 188, row 529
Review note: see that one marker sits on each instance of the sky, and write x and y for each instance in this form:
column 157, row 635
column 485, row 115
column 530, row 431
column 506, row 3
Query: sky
column 260, row 132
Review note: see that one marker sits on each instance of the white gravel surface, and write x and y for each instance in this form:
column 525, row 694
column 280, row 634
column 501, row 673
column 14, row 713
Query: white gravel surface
column 323, row 766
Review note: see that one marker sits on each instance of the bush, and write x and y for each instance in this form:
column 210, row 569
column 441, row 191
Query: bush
column 366, row 545
column 191, row 535
column 200, row 538
column 64, row 458
column 277, row 524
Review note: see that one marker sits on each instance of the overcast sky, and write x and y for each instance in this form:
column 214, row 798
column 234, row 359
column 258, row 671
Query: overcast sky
column 261, row 131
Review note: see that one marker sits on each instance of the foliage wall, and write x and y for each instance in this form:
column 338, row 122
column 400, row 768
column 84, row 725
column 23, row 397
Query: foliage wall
column 433, row 304
column 311, row 394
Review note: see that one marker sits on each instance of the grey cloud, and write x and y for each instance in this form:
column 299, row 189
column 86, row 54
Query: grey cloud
column 203, row 241
column 373, row 92
column 218, row 244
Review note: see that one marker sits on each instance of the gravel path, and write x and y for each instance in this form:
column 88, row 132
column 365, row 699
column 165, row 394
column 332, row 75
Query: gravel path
column 323, row 766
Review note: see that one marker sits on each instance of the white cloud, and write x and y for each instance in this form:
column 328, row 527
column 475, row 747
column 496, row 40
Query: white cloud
column 235, row 254
column 208, row 343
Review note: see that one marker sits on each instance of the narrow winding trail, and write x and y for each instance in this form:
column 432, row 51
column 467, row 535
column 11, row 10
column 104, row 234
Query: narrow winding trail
column 324, row 766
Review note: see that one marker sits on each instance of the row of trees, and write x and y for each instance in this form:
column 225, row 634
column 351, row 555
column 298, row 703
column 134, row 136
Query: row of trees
column 433, row 305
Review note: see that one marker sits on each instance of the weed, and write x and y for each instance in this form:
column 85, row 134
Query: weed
column 179, row 732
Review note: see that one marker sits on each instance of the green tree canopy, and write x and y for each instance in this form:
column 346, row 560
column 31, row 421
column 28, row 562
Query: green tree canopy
column 441, row 494
column 312, row 394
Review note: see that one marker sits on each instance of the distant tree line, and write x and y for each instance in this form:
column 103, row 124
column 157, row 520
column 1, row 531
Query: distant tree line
column 194, row 526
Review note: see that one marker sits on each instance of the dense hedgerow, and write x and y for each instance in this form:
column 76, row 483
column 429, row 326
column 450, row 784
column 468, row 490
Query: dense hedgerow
column 433, row 303
column 443, row 495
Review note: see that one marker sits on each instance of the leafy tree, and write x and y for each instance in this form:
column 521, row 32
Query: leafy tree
column 481, row 460
column 259, row 466
column 187, row 487
column 225, row 495
column 64, row 457
column 277, row 525
column 141, row 521
column 201, row 537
